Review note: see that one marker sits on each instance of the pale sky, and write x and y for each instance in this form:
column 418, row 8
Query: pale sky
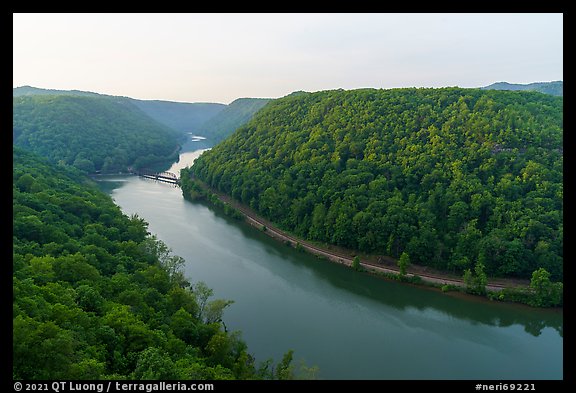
column 220, row 57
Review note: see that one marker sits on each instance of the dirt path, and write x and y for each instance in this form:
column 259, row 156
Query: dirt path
column 384, row 264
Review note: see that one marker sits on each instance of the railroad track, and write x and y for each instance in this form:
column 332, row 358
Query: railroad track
column 272, row 231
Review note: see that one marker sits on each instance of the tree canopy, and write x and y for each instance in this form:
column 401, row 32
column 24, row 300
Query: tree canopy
column 236, row 114
column 95, row 296
column 91, row 133
column 181, row 116
column 450, row 176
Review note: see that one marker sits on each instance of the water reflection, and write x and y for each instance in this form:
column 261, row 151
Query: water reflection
column 351, row 325
column 402, row 296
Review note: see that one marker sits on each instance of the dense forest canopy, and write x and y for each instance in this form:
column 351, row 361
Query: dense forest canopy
column 236, row 114
column 453, row 177
column 181, row 116
column 91, row 133
column 96, row 297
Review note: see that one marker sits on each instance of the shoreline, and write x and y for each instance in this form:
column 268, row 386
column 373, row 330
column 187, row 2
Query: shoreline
column 386, row 270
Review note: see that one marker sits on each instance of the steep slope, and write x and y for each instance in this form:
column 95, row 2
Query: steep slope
column 453, row 177
column 91, row 133
column 181, row 116
column 236, row 114
column 96, row 297
column 554, row 88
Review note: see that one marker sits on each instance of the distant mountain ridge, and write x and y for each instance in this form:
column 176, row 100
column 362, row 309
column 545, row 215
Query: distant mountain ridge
column 212, row 120
column 555, row 88
column 180, row 116
column 30, row 90
column 235, row 115
column 92, row 133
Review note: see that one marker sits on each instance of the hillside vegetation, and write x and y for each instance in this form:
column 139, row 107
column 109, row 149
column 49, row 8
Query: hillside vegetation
column 236, row 114
column 455, row 178
column 555, row 88
column 92, row 133
column 96, row 297
column 30, row 90
column 180, row 116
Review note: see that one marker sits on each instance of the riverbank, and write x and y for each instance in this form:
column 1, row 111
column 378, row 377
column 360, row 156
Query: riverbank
column 285, row 298
column 497, row 289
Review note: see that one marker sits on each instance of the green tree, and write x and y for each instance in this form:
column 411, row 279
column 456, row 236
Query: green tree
column 403, row 263
column 285, row 369
column 214, row 310
column 546, row 293
column 476, row 282
column 356, row 263
column 25, row 182
column 183, row 326
column 202, row 293
column 41, row 350
column 89, row 299
column 481, row 279
column 155, row 364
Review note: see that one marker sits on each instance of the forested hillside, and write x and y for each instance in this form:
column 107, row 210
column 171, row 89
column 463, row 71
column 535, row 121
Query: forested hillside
column 554, row 88
column 96, row 297
column 181, row 116
column 452, row 177
column 236, row 114
column 92, row 133
column 30, row 90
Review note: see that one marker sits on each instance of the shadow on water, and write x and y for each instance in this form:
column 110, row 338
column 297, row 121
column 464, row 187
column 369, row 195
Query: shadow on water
column 403, row 296
column 108, row 183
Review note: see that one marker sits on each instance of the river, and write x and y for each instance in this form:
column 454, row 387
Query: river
column 350, row 325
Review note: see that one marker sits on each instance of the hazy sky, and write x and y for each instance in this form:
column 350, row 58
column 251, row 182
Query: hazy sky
column 220, row 57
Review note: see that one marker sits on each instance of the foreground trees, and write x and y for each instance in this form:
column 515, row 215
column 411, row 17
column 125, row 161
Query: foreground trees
column 96, row 297
column 546, row 293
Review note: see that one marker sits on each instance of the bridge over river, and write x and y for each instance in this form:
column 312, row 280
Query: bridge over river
column 166, row 177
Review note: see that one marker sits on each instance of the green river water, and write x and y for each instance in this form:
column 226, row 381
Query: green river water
column 351, row 325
